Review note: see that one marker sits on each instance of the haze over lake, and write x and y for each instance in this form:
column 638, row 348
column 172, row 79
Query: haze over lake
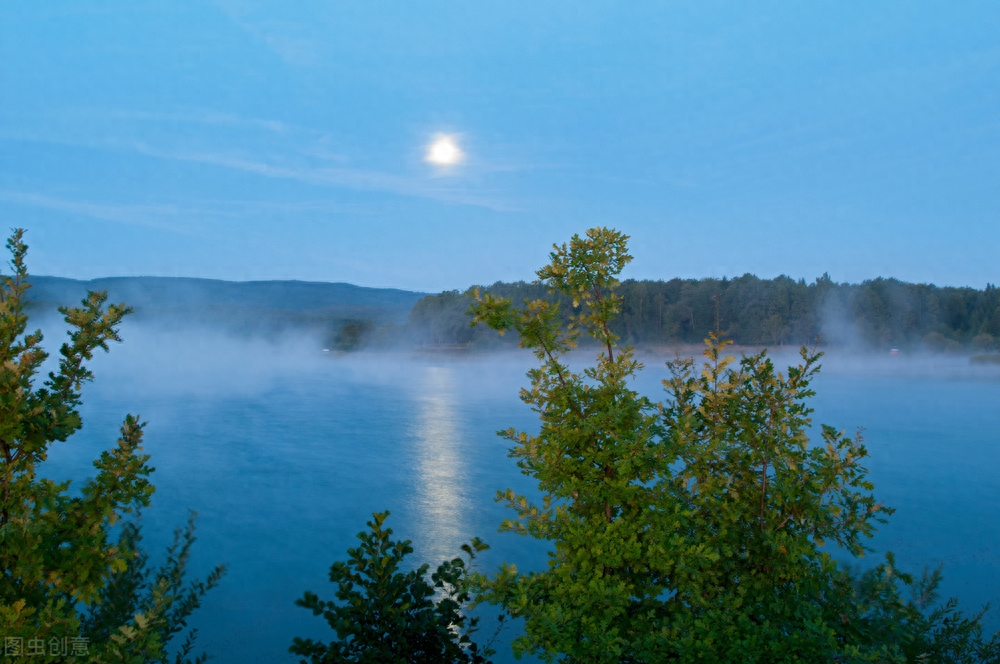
column 285, row 451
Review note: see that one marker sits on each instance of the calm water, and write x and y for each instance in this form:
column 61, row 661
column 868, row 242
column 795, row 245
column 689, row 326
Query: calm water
column 285, row 453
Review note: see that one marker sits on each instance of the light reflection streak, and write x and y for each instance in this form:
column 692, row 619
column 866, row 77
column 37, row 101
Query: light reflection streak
column 440, row 469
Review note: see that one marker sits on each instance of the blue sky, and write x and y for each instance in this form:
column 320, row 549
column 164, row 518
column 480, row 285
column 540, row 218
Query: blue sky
column 252, row 140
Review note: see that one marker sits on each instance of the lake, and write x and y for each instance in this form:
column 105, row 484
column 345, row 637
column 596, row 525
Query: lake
column 285, row 451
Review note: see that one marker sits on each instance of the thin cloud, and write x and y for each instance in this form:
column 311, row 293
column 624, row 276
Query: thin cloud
column 184, row 218
column 284, row 39
column 349, row 177
column 139, row 215
column 304, row 156
column 206, row 117
column 310, row 142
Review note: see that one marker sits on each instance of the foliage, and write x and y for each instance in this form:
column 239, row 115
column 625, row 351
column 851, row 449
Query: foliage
column 160, row 594
column 693, row 530
column 942, row 634
column 55, row 555
column 385, row 616
column 596, row 463
column 878, row 314
column 440, row 320
column 354, row 335
column 984, row 342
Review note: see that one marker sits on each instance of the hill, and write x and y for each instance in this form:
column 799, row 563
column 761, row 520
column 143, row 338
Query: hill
column 243, row 306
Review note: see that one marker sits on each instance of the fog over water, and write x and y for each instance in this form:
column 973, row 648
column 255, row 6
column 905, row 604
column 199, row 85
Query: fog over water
column 285, row 451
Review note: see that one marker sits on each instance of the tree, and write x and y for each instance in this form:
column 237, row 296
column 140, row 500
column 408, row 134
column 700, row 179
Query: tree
column 598, row 465
column 57, row 556
column 440, row 320
column 983, row 342
column 160, row 595
column 354, row 335
column 775, row 329
column 386, row 616
column 692, row 530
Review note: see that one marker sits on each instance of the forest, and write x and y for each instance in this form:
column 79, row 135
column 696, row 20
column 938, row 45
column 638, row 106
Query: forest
column 877, row 315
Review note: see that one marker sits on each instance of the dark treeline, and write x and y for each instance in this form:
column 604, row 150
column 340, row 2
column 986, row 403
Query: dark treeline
column 878, row 314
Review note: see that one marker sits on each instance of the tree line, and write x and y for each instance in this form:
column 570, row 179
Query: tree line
column 878, row 314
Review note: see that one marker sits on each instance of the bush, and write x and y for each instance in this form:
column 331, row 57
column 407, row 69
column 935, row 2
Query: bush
column 386, row 616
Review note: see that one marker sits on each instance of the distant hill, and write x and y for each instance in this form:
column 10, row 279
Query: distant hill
column 248, row 306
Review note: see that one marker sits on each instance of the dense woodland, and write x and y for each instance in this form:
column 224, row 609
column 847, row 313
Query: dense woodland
column 878, row 314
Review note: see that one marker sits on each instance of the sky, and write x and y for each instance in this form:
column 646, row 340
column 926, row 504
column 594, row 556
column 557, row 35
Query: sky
column 261, row 140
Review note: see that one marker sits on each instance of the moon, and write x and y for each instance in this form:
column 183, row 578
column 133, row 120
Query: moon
column 444, row 151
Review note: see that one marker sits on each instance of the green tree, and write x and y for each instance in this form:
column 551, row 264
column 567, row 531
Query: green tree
column 57, row 556
column 354, row 335
column 598, row 465
column 693, row 530
column 161, row 595
column 440, row 320
column 774, row 329
column 983, row 342
column 383, row 615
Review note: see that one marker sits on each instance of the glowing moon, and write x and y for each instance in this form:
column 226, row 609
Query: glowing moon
column 444, row 151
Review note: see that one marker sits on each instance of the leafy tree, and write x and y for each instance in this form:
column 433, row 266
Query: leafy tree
column 139, row 590
column 983, row 342
column 386, row 616
column 354, row 334
column 920, row 629
column 58, row 563
column 440, row 319
column 775, row 329
column 597, row 463
column 693, row 530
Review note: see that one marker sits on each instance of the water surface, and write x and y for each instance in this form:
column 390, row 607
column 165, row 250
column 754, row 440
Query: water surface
column 285, row 452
